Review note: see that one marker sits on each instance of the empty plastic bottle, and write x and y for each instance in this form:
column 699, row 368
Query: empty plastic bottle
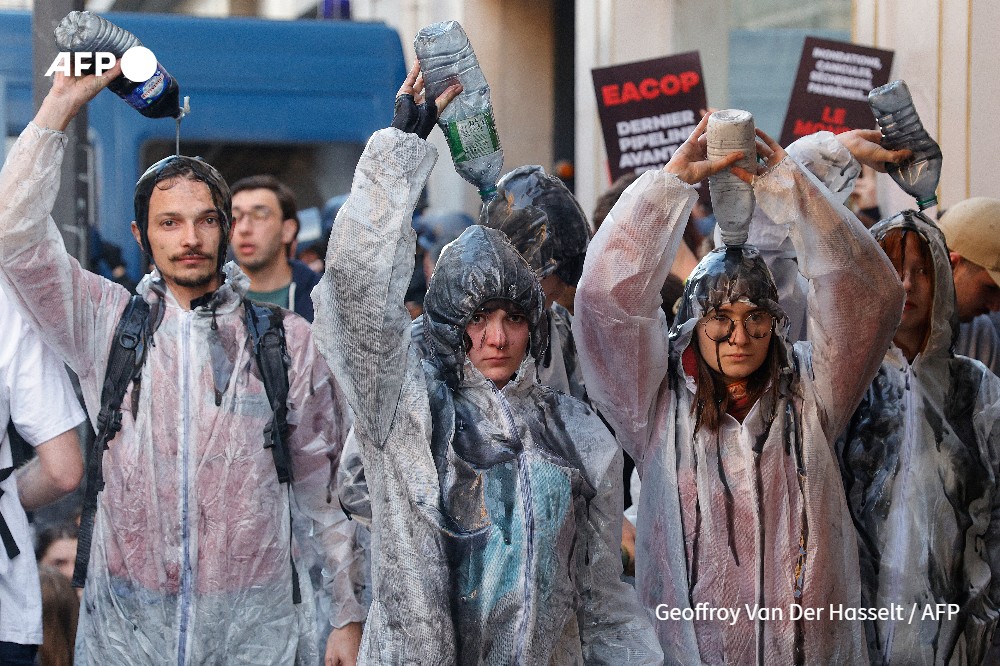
column 446, row 57
column 901, row 128
column 733, row 200
column 156, row 97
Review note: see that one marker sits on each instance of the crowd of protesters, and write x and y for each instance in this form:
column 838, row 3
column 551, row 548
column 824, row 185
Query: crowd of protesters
column 423, row 454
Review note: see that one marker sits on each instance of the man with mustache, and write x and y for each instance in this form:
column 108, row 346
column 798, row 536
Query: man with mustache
column 193, row 558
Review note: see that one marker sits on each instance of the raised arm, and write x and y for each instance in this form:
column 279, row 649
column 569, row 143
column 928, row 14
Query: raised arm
column 854, row 299
column 620, row 331
column 362, row 326
column 66, row 304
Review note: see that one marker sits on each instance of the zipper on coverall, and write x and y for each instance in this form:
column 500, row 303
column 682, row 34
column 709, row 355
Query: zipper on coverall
column 527, row 500
column 184, row 453
column 904, row 466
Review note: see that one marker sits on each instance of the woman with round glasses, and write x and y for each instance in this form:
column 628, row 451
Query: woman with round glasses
column 742, row 517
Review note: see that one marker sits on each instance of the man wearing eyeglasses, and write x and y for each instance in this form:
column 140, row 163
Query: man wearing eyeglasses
column 265, row 224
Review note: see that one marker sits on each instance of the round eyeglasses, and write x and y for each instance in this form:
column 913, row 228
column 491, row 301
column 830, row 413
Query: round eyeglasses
column 758, row 325
column 256, row 214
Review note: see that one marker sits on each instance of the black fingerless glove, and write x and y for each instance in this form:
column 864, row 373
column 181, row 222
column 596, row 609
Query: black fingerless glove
column 414, row 118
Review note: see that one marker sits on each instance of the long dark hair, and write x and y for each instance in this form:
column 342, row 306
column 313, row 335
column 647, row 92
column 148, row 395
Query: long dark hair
column 712, row 398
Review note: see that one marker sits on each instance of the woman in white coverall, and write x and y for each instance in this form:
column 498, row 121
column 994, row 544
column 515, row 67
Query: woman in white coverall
column 496, row 501
column 742, row 517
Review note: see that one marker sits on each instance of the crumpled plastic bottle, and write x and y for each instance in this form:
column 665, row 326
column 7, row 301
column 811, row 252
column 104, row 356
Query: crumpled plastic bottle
column 901, row 128
column 446, row 57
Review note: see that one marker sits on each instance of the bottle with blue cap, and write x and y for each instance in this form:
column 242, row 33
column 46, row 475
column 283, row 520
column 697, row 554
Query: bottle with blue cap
column 156, row 97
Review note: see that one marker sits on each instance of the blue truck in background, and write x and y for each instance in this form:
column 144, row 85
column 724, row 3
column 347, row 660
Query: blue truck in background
column 295, row 98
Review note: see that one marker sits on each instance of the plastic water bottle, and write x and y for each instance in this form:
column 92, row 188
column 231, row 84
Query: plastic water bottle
column 446, row 57
column 901, row 128
column 733, row 200
column 156, row 97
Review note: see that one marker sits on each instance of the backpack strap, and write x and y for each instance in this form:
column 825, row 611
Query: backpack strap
column 267, row 333
column 128, row 351
column 6, row 536
column 20, row 452
column 265, row 324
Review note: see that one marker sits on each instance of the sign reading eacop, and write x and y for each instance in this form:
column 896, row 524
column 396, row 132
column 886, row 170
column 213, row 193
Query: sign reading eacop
column 648, row 109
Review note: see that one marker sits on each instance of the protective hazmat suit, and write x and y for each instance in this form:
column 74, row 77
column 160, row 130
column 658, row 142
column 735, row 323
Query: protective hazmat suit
column 752, row 514
column 497, row 513
column 545, row 223
column 920, row 462
column 192, row 546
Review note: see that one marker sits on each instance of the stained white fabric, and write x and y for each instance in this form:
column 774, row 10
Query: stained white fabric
column 921, row 467
column 781, row 475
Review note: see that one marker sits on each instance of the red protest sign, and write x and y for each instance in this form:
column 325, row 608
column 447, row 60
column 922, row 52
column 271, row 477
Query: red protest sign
column 831, row 88
column 647, row 110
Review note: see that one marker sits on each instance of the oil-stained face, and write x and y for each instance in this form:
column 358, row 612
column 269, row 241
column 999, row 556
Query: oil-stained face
column 734, row 339
column 497, row 338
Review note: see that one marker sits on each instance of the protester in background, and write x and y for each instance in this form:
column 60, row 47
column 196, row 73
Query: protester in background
column 726, row 421
column 496, row 502
column 193, row 550
column 864, row 199
column 921, row 464
column 972, row 230
column 60, row 613
column 265, row 223
column 55, row 547
column 35, row 393
column 434, row 231
column 313, row 253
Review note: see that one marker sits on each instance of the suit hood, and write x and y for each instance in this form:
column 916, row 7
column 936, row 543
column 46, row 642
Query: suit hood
column 480, row 266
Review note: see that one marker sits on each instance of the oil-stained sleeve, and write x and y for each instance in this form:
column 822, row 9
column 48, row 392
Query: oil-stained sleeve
column 987, row 426
column 614, row 628
column 362, row 326
column 620, row 331
column 73, row 310
column 319, row 421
